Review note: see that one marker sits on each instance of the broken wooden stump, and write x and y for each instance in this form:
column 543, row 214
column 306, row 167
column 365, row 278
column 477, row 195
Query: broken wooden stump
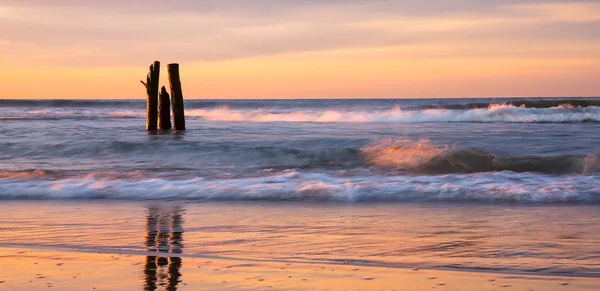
column 152, row 98
column 176, row 97
column 164, row 110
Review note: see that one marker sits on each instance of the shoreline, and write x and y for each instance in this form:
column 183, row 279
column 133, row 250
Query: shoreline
column 28, row 268
column 88, row 251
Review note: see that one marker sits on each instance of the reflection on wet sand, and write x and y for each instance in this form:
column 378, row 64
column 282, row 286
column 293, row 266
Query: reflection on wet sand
column 164, row 235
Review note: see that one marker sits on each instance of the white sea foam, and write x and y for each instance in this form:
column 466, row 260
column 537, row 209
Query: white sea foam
column 494, row 113
column 293, row 185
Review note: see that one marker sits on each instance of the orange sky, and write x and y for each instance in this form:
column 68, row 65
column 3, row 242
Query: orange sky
column 301, row 48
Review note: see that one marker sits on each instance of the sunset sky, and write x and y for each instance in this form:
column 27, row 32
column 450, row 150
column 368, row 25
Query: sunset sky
column 301, row 48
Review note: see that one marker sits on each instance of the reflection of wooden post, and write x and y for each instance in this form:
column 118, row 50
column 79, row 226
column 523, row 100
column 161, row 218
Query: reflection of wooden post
column 152, row 98
column 164, row 235
column 176, row 97
column 150, row 270
column 164, row 109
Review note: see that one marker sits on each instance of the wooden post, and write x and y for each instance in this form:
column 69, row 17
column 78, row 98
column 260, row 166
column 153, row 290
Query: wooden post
column 176, row 97
column 151, row 85
column 164, row 109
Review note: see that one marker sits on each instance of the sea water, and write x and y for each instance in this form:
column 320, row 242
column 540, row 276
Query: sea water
column 480, row 184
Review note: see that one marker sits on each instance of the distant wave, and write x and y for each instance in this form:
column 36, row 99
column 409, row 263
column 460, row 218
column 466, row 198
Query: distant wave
column 499, row 187
column 308, row 103
column 531, row 103
column 493, row 113
column 69, row 113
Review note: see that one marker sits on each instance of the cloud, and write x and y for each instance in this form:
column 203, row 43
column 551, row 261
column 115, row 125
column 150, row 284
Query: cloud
column 570, row 12
column 111, row 32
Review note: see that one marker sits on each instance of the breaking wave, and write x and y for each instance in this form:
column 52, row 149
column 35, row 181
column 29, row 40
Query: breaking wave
column 301, row 186
column 565, row 113
column 384, row 156
column 424, row 157
column 446, row 103
column 493, row 113
column 528, row 103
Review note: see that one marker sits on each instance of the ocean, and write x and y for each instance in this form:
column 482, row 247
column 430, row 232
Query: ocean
column 503, row 185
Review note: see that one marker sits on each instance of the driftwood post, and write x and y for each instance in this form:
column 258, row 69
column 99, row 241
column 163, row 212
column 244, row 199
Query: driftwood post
column 151, row 85
column 176, row 97
column 164, row 109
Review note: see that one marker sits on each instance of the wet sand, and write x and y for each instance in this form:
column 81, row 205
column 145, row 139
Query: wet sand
column 38, row 269
column 294, row 246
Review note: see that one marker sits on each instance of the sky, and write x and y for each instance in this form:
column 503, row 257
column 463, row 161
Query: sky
column 301, row 48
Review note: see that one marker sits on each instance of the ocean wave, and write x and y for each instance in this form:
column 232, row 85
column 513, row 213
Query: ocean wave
column 425, row 157
column 382, row 156
column 446, row 103
column 528, row 103
column 70, row 113
column 493, row 113
column 499, row 187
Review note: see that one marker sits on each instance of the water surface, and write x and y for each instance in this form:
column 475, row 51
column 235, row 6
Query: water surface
column 469, row 184
column 549, row 240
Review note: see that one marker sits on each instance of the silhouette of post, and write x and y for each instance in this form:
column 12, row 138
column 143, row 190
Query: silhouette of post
column 151, row 85
column 164, row 109
column 176, row 97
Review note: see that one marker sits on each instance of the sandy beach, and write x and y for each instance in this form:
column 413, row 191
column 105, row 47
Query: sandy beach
column 291, row 246
column 31, row 269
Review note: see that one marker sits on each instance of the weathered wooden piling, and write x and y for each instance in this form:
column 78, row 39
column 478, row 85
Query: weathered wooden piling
column 164, row 110
column 152, row 99
column 176, row 97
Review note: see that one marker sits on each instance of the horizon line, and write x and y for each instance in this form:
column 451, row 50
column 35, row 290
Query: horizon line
column 292, row 99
